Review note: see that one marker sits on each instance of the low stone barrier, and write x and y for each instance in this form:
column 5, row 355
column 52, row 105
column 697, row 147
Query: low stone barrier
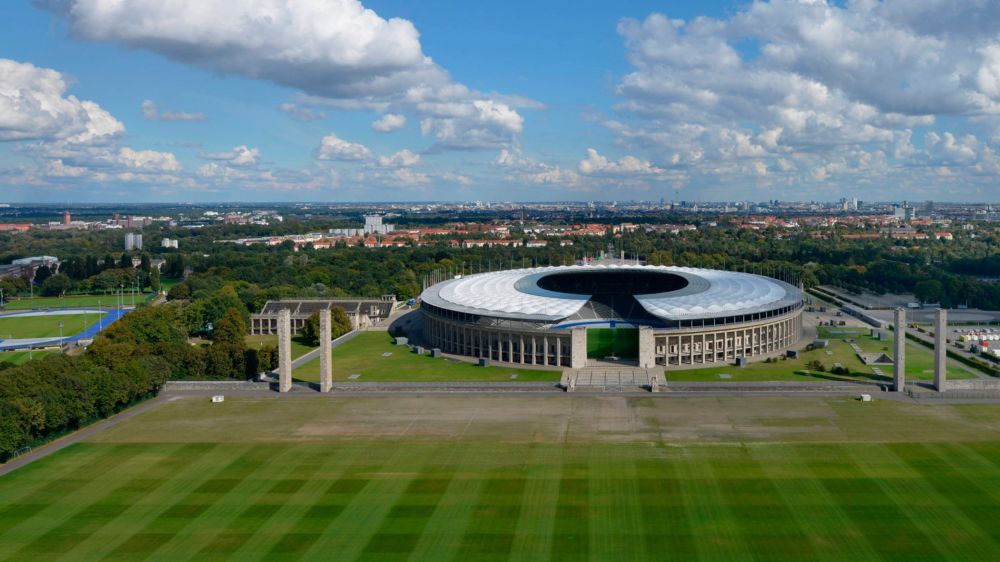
column 216, row 385
column 972, row 384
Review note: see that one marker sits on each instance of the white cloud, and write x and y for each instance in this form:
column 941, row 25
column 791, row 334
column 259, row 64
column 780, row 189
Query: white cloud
column 520, row 168
column 333, row 147
column 239, row 156
column 402, row 159
column 150, row 112
column 57, row 169
column 337, row 52
column 148, row 160
column 301, row 113
column 595, row 164
column 389, row 122
column 34, row 106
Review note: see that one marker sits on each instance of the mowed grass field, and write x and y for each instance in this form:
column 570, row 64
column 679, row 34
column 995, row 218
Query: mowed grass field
column 919, row 362
column 518, row 478
column 22, row 357
column 44, row 326
column 374, row 356
column 73, row 301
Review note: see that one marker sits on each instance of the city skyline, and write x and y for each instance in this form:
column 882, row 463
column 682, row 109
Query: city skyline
column 309, row 100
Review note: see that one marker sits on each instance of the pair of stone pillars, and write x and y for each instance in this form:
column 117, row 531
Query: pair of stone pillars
column 940, row 350
column 285, row 351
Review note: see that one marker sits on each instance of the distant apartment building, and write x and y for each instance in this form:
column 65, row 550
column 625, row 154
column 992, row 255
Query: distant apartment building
column 374, row 225
column 168, row 243
column 133, row 241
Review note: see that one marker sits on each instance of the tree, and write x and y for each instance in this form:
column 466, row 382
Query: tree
column 929, row 291
column 41, row 274
column 179, row 291
column 56, row 285
column 144, row 264
column 126, row 261
column 154, row 280
column 310, row 330
column 341, row 323
column 230, row 329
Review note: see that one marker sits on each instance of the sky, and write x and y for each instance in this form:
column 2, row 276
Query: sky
column 393, row 100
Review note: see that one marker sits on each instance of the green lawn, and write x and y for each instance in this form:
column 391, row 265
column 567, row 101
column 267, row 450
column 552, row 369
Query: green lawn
column 298, row 348
column 73, row 301
column 21, row 357
column 44, row 326
column 618, row 342
column 365, row 356
column 442, row 487
column 919, row 362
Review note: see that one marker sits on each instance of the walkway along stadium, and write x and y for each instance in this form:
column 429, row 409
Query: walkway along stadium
column 572, row 316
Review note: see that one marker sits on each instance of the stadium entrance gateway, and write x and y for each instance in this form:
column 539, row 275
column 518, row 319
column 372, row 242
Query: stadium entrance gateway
column 613, row 343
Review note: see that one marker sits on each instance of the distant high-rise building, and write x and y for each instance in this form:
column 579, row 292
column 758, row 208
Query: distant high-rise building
column 168, row 243
column 67, row 218
column 374, row 225
column 133, row 241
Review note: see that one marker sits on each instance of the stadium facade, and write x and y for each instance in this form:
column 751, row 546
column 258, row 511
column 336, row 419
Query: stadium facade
column 647, row 315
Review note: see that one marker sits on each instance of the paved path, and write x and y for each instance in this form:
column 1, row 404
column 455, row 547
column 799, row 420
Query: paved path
column 81, row 435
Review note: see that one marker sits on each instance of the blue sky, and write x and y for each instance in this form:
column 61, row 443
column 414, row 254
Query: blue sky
column 779, row 99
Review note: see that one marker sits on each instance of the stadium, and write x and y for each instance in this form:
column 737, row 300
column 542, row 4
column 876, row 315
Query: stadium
column 572, row 316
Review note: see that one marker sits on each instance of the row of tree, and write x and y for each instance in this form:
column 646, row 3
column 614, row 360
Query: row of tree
column 127, row 362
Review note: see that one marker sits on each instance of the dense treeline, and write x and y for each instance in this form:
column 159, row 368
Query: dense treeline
column 128, row 362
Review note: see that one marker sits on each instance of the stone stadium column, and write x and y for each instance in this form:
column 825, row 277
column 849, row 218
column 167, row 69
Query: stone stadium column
column 325, row 349
column 284, row 350
column 647, row 348
column 578, row 348
column 940, row 349
column 899, row 370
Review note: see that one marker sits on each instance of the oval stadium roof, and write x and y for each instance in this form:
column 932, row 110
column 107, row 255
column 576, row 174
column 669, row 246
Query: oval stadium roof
column 516, row 294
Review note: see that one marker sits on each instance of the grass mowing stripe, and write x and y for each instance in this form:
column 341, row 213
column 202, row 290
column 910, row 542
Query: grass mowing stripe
column 493, row 520
column 960, row 458
column 397, row 535
column 331, row 505
column 363, row 515
column 665, row 528
column 80, row 524
column 571, row 530
column 928, row 511
column 767, row 524
column 170, row 520
column 251, row 510
column 873, row 512
column 235, row 498
column 830, row 531
column 968, row 506
column 291, row 538
column 536, row 518
column 21, row 530
column 444, row 533
column 59, row 474
column 988, row 452
column 716, row 532
column 615, row 514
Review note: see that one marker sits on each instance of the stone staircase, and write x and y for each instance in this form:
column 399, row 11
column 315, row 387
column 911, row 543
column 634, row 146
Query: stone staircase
column 610, row 378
